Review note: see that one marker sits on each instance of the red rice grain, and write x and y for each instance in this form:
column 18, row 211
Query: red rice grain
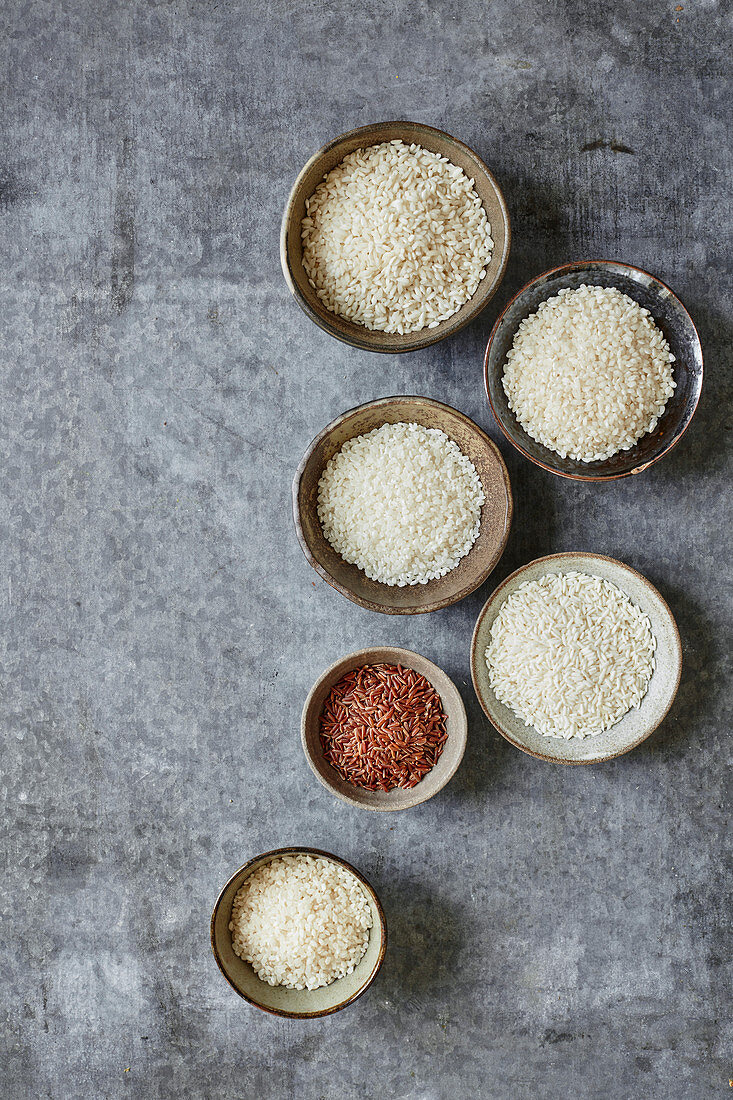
column 383, row 726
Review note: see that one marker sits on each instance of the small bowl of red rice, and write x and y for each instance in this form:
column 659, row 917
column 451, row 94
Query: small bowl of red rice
column 384, row 729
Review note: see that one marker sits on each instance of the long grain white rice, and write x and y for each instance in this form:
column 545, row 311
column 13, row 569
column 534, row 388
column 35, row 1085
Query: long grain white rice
column 570, row 654
column 402, row 502
column 395, row 238
column 301, row 921
column 589, row 373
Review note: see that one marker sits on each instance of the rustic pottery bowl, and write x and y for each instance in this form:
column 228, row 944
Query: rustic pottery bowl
column 297, row 1003
column 448, row 761
column 635, row 726
column 669, row 315
column 496, row 513
column 291, row 252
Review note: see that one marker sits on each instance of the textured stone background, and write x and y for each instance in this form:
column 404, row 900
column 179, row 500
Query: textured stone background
column 555, row 932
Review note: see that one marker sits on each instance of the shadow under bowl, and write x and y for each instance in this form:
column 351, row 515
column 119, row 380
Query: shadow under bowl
column 668, row 314
column 636, row 725
column 352, row 582
column 321, row 163
column 398, row 799
column 295, row 1003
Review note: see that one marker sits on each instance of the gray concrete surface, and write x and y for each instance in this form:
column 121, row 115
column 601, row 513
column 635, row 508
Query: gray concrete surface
column 555, row 933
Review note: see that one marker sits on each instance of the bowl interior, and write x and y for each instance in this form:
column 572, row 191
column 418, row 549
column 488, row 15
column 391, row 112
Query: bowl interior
column 669, row 315
column 634, row 726
column 318, row 166
column 448, row 761
column 496, row 513
column 278, row 999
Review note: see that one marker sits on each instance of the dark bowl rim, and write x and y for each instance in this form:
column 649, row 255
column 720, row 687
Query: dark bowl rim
column 437, row 334
column 402, row 657
column 566, row 269
column 301, row 850
column 474, row 656
column 372, row 605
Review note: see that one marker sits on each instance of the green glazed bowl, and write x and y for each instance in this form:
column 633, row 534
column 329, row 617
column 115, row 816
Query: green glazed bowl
column 299, row 1004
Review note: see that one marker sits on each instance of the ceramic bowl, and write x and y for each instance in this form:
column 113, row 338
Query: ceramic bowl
column 448, row 761
column 291, row 253
column 297, row 1003
column 635, row 726
column 496, row 514
column 669, row 315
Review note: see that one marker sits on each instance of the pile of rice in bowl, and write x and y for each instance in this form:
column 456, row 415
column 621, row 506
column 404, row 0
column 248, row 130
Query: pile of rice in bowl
column 589, row 373
column 301, row 921
column 395, row 238
column 403, row 503
column 570, row 654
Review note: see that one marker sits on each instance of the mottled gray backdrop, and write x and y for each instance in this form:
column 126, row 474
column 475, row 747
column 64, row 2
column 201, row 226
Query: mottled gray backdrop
column 554, row 932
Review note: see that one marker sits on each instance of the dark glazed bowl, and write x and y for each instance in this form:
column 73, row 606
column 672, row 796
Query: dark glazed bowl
column 668, row 314
column 397, row 799
column 301, row 1004
column 321, row 163
column 496, row 513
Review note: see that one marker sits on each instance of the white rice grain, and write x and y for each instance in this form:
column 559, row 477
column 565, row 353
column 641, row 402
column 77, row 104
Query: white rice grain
column 570, row 654
column 301, row 921
column 402, row 502
column 395, row 238
column 589, row 373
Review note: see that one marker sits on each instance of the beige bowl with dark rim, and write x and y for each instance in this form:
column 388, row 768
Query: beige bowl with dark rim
column 636, row 725
column 496, row 513
column 291, row 251
column 297, row 1003
column 448, row 761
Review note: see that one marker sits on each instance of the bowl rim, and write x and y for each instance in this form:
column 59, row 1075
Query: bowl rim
column 475, row 657
column 267, row 857
column 401, row 656
column 427, row 340
column 567, row 269
column 362, row 601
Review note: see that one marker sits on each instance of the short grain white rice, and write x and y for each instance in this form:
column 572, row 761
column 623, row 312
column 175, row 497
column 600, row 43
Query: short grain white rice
column 589, row 373
column 570, row 654
column 402, row 502
column 301, row 921
column 395, row 238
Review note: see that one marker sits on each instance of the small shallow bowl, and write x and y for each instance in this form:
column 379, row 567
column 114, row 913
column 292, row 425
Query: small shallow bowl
column 669, row 315
column 448, row 761
column 297, row 1003
column 496, row 513
column 635, row 726
column 291, row 251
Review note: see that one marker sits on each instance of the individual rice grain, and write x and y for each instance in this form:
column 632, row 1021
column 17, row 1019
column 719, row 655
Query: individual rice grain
column 301, row 921
column 589, row 373
column 402, row 502
column 570, row 654
column 395, row 238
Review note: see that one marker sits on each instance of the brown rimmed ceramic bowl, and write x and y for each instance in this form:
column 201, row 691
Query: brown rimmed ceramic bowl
column 636, row 725
column 669, row 315
column 291, row 252
column 448, row 761
column 496, row 513
column 299, row 1004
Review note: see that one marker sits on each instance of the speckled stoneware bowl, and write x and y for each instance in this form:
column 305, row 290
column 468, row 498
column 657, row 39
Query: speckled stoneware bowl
column 635, row 726
column 668, row 314
column 448, row 761
column 291, row 252
column 496, row 513
column 297, row 1003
